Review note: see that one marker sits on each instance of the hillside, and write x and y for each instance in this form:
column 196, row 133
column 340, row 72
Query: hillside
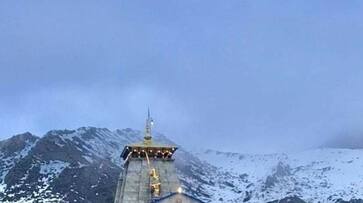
column 83, row 165
column 320, row 175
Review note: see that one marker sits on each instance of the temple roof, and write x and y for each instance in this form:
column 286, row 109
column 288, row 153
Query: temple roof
column 147, row 147
column 151, row 145
column 153, row 150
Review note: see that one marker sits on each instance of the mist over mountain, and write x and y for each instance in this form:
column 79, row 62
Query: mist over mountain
column 83, row 165
column 347, row 140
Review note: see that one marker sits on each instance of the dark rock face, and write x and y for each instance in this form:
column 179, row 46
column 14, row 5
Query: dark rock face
column 270, row 181
column 61, row 166
column 281, row 171
column 16, row 143
column 88, row 184
column 247, row 196
column 12, row 152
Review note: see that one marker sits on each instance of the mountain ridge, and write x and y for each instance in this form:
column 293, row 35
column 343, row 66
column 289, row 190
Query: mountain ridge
column 83, row 165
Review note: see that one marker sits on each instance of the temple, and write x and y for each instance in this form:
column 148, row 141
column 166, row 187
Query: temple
column 149, row 174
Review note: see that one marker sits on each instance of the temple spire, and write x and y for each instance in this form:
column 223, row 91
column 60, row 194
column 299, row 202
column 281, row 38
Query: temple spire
column 149, row 123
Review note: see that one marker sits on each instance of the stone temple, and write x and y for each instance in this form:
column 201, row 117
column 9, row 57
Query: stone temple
column 149, row 174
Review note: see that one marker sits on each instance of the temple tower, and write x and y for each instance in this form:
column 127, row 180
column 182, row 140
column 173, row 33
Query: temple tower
column 149, row 173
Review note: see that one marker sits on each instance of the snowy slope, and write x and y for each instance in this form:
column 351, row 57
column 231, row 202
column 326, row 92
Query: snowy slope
column 11, row 151
column 83, row 165
column 320, row 175
column 80, row 165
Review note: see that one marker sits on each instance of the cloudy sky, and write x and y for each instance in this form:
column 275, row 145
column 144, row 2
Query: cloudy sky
column 236, row 75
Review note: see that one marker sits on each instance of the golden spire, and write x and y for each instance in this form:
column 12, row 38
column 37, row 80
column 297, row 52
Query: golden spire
column 149, row 124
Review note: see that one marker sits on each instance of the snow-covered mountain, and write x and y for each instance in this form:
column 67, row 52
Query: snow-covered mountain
column 319, row 175
column 80, row 165
column 83, row 165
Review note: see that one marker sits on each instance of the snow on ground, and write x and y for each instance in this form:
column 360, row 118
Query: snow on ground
column 316, row 175
column 32, row 200
column 9, row 162
column 102, row 143
column 49, row 171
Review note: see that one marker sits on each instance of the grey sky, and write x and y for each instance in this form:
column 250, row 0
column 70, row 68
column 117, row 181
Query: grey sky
column 249, row 76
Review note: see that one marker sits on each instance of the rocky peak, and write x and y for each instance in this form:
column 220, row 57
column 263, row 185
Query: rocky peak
column 83, row 165
column 16, row 143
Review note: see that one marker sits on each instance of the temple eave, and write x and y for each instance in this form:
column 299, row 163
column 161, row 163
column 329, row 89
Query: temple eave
column 148, row 150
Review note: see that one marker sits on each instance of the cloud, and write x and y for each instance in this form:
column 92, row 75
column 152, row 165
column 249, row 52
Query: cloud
column 230, row 75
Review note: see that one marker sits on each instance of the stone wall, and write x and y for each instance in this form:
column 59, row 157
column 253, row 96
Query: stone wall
column 134, row 183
